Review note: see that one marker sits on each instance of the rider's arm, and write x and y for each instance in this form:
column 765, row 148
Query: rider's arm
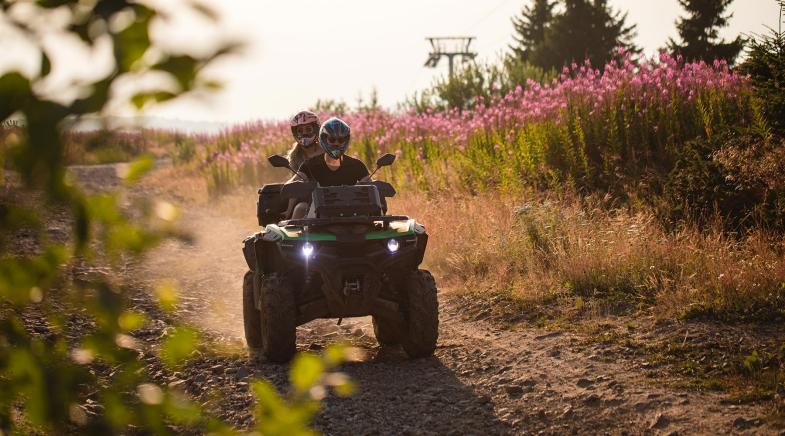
column 362, row 173
column 303, row 173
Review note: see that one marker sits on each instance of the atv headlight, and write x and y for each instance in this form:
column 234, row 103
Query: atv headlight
column 393, row 245
column 307, row 249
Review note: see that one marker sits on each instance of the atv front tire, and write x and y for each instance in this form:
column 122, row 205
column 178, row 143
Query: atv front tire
column 386, row 332
column 278, row 318
column 423, row 315
column 251, row 317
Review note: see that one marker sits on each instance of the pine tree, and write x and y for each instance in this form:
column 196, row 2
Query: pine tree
column 530, row 27
column 584, row 30
column 699, row 32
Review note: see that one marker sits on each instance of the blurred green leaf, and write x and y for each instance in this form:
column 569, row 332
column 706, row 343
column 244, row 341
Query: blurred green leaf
column 276, row 417
column 46, row 65
column 178, row 345
column 16, row 91
column 335, row 354
column 166, row 293
column 181, row 410
column 82, row 30
column 131, row 43
column 141, row 99
column 23, row 368
column 130, row 238
column 345, row 389
column 103, row 208
column 16, row 218
column 182, row 68
column 305, row 371
column 267, row 396
column 19, row 275
column 138, row 168
column 130, row 321
column 96, row 100
column 116, row 412
column 51, row 4
column 107, row 8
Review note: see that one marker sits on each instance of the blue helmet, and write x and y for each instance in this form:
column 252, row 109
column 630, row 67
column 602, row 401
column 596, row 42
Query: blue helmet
column 334, row 137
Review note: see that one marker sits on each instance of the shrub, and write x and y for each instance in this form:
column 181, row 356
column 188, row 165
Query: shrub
column 737, row 176
column 765, row 65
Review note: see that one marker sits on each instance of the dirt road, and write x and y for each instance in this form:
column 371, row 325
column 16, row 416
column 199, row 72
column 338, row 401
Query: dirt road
column 482, row 380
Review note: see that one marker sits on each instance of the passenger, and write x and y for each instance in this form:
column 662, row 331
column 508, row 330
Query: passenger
column 305, row 129
column 334, row 168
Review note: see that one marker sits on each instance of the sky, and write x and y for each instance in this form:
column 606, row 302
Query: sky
column 299, row 51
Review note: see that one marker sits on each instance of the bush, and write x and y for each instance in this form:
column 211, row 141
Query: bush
column 737, row 176
column 765, row 65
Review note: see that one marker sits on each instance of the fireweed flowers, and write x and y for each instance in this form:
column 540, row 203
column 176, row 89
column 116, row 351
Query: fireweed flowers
column 585, row 123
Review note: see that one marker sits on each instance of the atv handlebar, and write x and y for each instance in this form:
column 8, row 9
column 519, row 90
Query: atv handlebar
column 343, row 220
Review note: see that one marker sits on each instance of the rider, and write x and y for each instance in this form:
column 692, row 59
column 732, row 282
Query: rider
column 334, row 168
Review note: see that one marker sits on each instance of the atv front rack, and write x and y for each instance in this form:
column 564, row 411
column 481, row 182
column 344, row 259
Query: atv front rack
column 342, row 220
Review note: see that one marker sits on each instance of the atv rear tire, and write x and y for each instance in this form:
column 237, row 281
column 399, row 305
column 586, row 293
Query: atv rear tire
column 423, row 315
column 278, row 315
column 251, row 317
column 386, row 332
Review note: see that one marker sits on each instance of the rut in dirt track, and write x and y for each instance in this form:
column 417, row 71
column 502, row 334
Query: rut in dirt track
column 482, row 380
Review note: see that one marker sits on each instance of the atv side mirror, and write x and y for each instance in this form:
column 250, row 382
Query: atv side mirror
column 385, row 160
column 278, row 161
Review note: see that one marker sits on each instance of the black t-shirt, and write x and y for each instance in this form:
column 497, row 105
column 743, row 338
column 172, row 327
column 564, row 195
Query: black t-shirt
column 350, row 172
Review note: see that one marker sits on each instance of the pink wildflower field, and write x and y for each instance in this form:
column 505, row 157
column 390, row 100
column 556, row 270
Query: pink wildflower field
column 585, row 122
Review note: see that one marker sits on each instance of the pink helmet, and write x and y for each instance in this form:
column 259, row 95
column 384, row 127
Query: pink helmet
column 305, row 128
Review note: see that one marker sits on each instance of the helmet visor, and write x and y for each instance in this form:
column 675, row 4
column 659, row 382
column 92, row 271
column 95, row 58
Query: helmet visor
column 304, row 130
column 335, row 141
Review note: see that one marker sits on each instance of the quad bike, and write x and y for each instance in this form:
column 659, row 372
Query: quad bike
column 347, row 258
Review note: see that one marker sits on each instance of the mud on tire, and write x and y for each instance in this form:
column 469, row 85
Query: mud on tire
column 278, row 318
column 423, row 315
column 251, row 317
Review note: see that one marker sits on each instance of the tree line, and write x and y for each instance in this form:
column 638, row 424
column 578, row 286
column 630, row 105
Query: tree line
column 549, row 33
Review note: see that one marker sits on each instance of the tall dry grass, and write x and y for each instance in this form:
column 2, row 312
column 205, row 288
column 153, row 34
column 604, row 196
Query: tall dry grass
column 575, row 255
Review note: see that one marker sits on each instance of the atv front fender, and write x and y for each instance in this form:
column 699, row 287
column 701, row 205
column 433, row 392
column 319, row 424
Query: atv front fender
column 249, row 250
column 259, row 250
